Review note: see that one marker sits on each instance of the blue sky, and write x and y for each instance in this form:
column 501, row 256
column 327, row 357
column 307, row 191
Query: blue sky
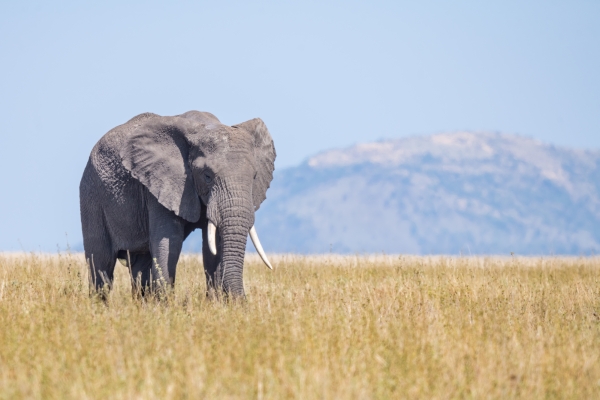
column 320, row 74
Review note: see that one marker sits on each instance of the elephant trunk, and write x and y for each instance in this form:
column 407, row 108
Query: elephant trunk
column 232, row 261
column 233, row 214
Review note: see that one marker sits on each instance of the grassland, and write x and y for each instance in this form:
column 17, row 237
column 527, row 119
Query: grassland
column 315, row 327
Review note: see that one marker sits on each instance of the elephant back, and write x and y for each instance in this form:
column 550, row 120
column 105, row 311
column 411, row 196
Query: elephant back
column 105, row 158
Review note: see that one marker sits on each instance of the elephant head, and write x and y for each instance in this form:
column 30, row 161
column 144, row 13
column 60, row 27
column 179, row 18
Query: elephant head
column 195, row 166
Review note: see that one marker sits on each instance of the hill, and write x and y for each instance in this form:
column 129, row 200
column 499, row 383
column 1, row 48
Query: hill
column 449, row 193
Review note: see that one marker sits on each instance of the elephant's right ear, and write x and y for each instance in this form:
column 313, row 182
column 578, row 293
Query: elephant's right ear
column 156, row 154
column 264, row 155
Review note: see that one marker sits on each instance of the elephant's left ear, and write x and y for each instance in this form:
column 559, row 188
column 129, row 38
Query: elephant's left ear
column 264, row 154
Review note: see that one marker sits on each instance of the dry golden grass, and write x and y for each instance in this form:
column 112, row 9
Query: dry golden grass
column 315, row 327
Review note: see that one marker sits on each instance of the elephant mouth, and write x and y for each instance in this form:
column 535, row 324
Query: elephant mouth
column 212, row 242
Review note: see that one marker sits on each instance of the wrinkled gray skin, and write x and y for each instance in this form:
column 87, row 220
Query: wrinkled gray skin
column 153, row 180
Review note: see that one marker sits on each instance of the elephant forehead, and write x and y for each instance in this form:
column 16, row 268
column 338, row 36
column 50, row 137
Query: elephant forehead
column 221, row 139
column 210, row 139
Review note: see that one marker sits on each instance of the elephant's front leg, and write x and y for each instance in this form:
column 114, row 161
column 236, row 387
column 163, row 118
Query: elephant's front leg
column 166, row 239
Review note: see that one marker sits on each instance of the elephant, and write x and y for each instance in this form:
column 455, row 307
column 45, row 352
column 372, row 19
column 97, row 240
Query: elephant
column 151, row 181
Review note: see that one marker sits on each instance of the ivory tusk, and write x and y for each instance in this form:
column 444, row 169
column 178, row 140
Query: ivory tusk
column 258, row 247
column 212, row 238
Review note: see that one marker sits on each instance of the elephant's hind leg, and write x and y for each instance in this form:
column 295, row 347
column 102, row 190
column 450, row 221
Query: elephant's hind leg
column 101, row 265
column 99, row 253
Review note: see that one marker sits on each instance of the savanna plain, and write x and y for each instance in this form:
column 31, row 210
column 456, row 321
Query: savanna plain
column 327, row 327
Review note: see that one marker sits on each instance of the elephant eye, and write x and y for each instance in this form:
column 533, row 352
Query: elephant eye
column 207, row 178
